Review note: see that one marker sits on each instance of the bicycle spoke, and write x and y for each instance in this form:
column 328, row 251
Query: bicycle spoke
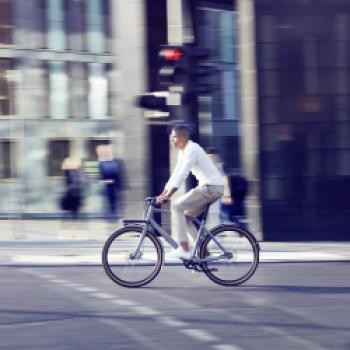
column 241, row 260
column 126, row 269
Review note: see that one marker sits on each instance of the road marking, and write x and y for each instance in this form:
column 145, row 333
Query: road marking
column 143, row 341
column 226, row 347
column 171, row 321
column 196, row 334
column 57, row 280
column 46, row 276
column 103, row 295
column 199, row 334
column 273, row 330
column 172, row 299
column 86, row 289
column 30, row 271
column 73, row 285
column 124, row 302
column 256, row 301
column 145, row 310
column 299, row 340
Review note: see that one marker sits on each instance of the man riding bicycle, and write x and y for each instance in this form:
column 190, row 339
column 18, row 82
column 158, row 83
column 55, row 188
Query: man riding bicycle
column 191, row 158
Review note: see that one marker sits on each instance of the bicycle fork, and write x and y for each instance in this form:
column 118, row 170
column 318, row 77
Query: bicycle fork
column 137, row 254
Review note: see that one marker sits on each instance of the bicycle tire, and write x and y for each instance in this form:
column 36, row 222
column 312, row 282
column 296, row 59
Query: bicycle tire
column 118, row 236
column 238, row 237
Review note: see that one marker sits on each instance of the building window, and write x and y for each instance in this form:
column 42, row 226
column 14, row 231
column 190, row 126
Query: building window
column 58, row 151
column 30, row 21
column 34, row 103
column 40, row 23
column 107, row 25
column 56, row 36
column 78, row 86
column 7, row 169
column 6, row 22
column 6, row 79
column 111, row 87
column 75, row 15
column 95, row 30
column 230, row 110
column 98, row 91
column 217, row 32
column 58, row 86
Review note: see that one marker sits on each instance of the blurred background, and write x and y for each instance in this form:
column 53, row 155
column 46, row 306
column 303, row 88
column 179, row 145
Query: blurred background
column 273, row 99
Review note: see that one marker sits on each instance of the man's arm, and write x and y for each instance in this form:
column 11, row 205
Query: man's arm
column 182, row 169
column 169, row 184
column 166, row 195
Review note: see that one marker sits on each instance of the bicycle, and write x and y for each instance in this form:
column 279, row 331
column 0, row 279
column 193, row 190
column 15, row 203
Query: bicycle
column 134, row 255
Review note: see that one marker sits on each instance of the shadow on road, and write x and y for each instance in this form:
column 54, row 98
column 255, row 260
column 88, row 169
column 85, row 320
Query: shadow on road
column 23, row 317
column 18, row 317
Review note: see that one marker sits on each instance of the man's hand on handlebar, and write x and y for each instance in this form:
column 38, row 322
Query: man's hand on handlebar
column 161, row 199
column 165, row 196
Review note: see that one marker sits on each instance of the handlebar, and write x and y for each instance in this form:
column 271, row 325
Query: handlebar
column 152, row 200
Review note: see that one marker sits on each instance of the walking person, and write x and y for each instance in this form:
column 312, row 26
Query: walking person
column 232, row 206
column 191, row 158
column 110, row 170
column 72, row 198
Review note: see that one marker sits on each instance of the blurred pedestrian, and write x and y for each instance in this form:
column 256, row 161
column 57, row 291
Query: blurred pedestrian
column 232, row 206
column 111, row 175
column 72, row 197
column 216, row 158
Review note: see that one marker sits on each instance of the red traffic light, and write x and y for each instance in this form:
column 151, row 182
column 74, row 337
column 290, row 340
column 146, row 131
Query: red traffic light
column 171, row 54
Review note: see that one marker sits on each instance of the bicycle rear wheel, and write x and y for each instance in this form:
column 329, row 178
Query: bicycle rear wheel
column 244, row 250
column 122, row 267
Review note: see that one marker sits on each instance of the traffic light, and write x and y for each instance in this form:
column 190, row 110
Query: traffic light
column 172, row 65
column 153, row 101
column 188, row 66
column 201, row 71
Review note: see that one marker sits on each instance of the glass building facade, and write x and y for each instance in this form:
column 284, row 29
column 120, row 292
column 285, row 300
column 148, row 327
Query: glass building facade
column 302, row 51
column 57, row 99
column 219, row 115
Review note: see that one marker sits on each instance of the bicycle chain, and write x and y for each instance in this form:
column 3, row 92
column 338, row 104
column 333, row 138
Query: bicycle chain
column 193, row 266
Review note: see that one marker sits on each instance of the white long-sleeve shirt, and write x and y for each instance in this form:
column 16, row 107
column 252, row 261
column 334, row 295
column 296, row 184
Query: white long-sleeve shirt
column 194, row 159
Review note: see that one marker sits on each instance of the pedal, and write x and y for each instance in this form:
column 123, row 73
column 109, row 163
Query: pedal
column 197, row 268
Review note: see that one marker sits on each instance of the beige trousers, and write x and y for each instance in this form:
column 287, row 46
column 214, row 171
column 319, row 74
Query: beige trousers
column 191, row 205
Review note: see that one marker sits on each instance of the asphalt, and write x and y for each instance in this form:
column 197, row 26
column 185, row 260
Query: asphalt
column 66, row 242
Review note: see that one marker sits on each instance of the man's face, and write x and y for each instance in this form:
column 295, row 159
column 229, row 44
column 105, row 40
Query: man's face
column 176, row 140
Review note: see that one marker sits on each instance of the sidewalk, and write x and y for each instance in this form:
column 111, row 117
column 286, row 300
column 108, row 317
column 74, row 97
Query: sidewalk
column 59, row 242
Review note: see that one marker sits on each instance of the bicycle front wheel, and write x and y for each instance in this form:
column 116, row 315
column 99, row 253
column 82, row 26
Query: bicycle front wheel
column 241, row 260
column 128, row 267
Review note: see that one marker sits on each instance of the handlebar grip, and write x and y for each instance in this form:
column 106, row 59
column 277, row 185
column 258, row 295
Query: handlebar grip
column 150, row 200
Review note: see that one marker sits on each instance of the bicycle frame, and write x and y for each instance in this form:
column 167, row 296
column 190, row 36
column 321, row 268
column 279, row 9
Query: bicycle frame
column 202, row 232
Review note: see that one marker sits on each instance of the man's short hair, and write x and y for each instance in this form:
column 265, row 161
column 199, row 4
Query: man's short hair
column 182, row 130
